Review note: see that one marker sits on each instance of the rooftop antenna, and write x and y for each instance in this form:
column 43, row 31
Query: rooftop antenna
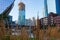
column 37, row 18
column 38, row 15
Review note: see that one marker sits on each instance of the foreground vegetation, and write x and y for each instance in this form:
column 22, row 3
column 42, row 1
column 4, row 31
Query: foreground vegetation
column 51, row 33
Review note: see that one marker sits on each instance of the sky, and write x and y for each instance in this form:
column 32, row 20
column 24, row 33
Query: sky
column 32, row 7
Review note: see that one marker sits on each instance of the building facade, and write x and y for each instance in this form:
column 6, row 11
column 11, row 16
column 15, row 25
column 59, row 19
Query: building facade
column 48, row 20
column 51, row 18
column 57, row 6
column 10, row 19
column 21, row 17
column 29, row 22
column 57, row 21
column 44, row 21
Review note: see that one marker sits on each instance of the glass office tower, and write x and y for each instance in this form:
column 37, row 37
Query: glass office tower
column 57, row 6
column 21, row 17
column 45, row 8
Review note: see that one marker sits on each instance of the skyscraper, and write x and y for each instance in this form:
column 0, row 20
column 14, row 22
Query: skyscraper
column 21, row 18
column 46, row 8
column 57, row 6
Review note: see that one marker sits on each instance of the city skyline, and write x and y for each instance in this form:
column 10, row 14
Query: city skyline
column 32, row 9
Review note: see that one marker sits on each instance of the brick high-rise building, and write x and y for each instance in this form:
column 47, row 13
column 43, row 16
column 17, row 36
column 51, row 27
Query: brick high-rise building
column 51, row 18
column 57, row 21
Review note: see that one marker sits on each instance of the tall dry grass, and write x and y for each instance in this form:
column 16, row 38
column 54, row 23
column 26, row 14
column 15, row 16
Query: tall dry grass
column 39, row 34
column 50, row 32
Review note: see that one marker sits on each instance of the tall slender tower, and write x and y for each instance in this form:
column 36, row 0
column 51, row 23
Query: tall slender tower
column 46, row 8
column 21, row 18
column 38, row 21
